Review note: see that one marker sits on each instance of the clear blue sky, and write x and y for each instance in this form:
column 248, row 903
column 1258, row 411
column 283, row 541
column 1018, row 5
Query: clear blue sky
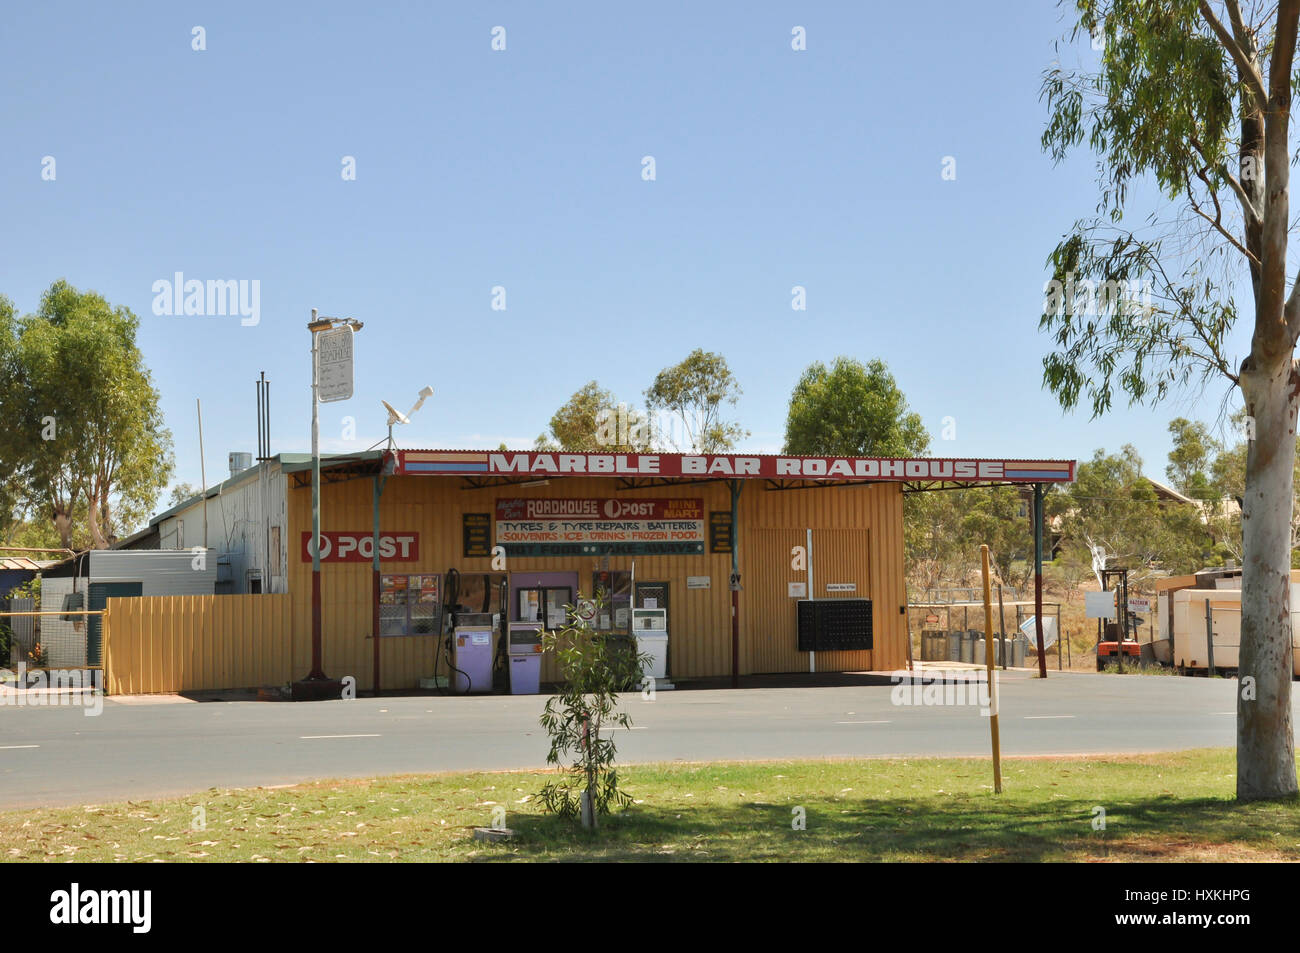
column 522, row 168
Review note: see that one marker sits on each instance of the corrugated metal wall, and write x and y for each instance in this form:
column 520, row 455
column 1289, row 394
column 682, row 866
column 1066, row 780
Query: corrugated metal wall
column 858, row 538
column 239, row 522
column 160, row 572
column 194, row 643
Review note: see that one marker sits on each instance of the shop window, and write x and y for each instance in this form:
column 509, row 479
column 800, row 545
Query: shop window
column 547, row 605
column 613, row 592
column 409, row 604
column 479, row 592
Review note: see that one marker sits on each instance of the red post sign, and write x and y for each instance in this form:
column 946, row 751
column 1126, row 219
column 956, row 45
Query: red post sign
column 358, row 547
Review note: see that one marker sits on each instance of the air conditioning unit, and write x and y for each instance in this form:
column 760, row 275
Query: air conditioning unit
column 239, row 462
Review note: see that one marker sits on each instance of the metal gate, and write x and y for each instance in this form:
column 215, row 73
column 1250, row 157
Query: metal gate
column 100, row 592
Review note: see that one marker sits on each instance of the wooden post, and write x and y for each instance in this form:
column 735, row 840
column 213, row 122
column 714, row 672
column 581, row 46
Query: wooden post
column 990, row 674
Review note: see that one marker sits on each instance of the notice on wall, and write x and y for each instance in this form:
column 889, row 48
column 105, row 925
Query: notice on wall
column 719, row 531
column 476, row 535
column 699, row 582
column 600, row 527
column 841, row 587
column 797, row 590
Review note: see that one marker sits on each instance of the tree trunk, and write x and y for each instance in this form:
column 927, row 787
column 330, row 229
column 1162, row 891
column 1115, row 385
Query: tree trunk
column 1265, row 741
column 97, row 519
column 63, row 525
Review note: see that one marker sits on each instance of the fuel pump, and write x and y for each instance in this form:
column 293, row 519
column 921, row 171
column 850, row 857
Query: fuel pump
column 524, row 656
column 471, row 653
column 467, row 645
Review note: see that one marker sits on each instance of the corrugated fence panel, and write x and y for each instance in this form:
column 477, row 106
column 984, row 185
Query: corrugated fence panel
column 194, row 643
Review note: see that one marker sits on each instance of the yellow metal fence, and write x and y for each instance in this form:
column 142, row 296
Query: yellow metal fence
column 193, row 643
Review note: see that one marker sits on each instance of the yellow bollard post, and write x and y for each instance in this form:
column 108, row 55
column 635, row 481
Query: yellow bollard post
column 990, row 673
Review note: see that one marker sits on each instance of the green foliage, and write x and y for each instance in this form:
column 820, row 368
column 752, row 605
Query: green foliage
column 1073, row 566
column 29, row 589
column 943, row 532
column 592, row 419
column 182, row 493
column 1162, row 104
column 84, row 435
column 1115, row 512
column 696, row 391
column 595, row 669
column 852, row 409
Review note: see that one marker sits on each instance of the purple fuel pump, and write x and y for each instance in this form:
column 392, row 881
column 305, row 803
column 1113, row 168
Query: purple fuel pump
column 471, row 653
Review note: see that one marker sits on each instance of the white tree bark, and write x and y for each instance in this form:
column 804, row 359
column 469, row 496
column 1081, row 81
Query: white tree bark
column 1265, row 739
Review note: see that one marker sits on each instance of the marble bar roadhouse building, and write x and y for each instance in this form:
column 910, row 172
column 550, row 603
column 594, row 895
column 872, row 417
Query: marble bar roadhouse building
column 708, row 539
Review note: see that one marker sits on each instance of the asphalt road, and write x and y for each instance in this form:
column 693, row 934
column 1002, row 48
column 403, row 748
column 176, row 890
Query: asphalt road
column 145, row 748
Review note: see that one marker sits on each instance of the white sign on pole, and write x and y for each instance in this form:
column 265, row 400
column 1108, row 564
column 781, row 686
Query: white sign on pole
column 334, row 364
column 1049, row 631
column 1099, row 605
column 1139, row 604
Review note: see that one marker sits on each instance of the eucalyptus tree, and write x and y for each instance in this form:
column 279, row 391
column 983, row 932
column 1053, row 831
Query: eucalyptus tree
column 1194, row 99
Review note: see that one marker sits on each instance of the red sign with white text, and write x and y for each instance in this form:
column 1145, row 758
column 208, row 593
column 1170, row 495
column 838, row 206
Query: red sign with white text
column 527, row 465
column 553, row 508
column 358, row 547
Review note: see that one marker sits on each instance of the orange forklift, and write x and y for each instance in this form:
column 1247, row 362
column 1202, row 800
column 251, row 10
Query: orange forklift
column 1116, row 640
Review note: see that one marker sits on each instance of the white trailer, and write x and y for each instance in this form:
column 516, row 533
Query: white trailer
column 1183, row 620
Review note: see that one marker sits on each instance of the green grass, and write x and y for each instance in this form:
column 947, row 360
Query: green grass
column 1158, row 807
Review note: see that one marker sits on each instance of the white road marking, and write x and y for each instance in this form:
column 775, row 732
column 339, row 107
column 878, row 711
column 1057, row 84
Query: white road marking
column 862, row 722
column 1032, row 717
column 312, row 737
column 15, row 747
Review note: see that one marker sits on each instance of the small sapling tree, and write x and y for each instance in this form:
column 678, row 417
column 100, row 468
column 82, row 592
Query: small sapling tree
column 595, row 667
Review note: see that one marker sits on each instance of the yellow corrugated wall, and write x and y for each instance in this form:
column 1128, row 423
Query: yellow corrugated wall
column 195, row 643
column 858, row 538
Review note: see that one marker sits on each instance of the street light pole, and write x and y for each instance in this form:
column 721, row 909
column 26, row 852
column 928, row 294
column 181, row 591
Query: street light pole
column 316, row 664
column 317, row 685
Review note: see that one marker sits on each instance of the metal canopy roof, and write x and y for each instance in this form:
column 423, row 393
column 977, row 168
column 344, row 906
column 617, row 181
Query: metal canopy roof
column 23, row 563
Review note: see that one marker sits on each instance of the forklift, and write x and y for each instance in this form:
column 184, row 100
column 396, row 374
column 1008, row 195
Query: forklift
column 1117, row 640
